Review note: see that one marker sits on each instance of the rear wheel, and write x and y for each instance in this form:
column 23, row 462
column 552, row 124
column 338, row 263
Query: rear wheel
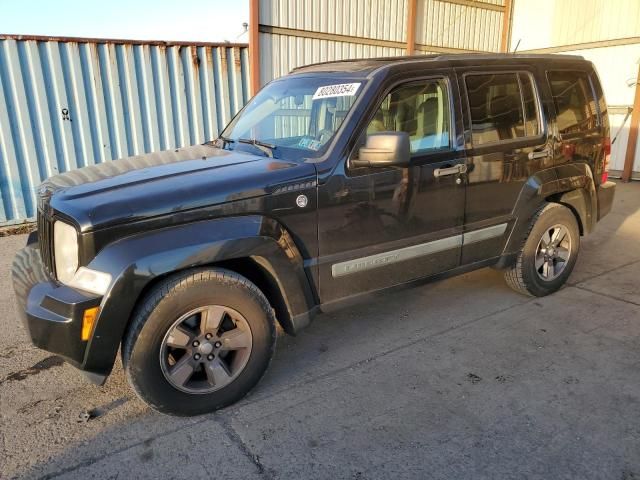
column 199, row 341
column 548, row 254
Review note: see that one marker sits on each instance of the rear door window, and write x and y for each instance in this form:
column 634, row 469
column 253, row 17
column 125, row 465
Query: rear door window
column 502, row 107
column 573, row 98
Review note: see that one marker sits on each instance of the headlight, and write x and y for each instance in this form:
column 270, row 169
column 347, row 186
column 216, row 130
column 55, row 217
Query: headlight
column 65, row 244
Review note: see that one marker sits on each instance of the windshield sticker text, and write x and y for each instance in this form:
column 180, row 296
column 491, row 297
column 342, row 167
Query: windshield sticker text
column 310, row 144
column 340, row 90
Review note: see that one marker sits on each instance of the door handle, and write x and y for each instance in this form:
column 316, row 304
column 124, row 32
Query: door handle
column 455, row 170
column 540, row 154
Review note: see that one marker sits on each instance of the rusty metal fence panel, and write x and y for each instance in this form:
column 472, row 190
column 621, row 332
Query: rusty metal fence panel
column 68, row 103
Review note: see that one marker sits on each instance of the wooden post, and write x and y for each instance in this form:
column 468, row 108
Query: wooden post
column 254, row 45
column 632, row 141
column 411, row 26
column 506, row 26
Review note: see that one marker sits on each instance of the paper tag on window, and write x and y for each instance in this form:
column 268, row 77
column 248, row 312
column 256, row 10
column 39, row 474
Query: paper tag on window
column 340, row 90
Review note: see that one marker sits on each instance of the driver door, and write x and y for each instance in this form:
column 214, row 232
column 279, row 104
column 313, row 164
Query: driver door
column 380, row 227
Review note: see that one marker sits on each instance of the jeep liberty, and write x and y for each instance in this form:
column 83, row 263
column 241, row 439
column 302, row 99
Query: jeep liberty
column 335, row 181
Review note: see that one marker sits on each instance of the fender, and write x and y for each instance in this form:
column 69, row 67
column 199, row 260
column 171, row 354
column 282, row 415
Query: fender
column 571, row 185
column 135, row 262
column 577, row 190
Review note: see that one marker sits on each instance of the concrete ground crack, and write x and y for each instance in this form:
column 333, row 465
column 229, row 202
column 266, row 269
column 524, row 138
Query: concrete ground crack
column 613, row 297
column 574, row 284
column 242, row 446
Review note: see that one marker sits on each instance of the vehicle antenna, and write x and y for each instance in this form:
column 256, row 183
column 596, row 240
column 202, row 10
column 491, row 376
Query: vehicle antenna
column 517, row 45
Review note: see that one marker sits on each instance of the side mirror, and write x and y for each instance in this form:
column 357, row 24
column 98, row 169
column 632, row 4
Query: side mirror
column 384, row 149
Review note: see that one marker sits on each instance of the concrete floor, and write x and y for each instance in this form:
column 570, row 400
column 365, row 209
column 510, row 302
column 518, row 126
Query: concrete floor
column 457, row 379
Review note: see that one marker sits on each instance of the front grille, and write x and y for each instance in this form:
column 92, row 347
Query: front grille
column 45, row 240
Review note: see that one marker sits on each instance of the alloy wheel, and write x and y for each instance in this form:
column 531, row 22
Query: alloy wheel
column 553, row 252
column 206, row 349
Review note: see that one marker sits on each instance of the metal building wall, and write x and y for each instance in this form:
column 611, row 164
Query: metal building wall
column 604, row 32
column 282, row 53
column 298, row 32
column 466, row 26
column 68, row 103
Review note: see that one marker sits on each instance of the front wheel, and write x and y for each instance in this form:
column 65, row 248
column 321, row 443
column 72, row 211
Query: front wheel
column 199, row 341
column 548, row 253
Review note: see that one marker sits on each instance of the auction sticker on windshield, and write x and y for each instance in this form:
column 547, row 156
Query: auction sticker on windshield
column 339, row 90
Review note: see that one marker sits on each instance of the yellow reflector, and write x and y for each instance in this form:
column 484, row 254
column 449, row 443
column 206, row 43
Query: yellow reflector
column 89, row 318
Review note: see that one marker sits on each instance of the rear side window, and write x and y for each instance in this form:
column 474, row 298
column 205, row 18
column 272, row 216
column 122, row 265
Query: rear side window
column 574, row 101
column 503, row 107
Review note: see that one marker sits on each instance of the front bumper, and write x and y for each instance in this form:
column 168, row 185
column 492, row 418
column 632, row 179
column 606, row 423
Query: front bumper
column 51, row 312
column 606, row 192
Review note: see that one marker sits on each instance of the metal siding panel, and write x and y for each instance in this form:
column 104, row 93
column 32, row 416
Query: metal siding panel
column 450, row 25
column 222, row 85
column 130, row 96
column 11, row 181
column 61, row 122
column 207, row 93
column 146, row 89
column 80, row 125
column 95, row 103
column 37, row 106
column 23, row 137
column 118, row 99
column 113, row 99
column 190, row 65
column 379, row 19
column 282, row 53
column 163, row 98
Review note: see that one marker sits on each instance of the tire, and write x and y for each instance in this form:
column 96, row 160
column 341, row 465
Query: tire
column 167, row 335
column 540, row 271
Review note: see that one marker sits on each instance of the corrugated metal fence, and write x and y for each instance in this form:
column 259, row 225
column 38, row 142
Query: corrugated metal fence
column 68, row 103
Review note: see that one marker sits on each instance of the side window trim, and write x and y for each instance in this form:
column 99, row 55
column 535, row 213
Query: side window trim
column 542, row 129
column 446, row 79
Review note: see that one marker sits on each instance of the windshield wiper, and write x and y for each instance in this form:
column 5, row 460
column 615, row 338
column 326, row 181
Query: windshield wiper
column 267, row 148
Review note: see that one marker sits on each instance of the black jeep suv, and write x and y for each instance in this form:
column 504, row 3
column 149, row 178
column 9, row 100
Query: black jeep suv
column 337, row 180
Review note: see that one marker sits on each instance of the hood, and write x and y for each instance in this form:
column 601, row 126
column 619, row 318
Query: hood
column 165, row 182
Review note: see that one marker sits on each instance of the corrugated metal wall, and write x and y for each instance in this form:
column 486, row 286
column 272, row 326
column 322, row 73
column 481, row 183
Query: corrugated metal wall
column 65, row 104
column 451, row 25
column 606, row 33
column 299, row 32
column 279, row 54
column 375, row 19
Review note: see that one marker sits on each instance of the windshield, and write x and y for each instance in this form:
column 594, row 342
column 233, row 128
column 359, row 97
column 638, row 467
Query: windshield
column 292, row 118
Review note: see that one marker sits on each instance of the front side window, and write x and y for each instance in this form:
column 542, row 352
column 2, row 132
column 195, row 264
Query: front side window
column 573, row 98
column 421, row 110
column 294, row 117
column 502, row 106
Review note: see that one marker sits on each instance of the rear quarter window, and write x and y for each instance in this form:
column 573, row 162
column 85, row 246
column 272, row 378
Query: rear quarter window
column 574, row 101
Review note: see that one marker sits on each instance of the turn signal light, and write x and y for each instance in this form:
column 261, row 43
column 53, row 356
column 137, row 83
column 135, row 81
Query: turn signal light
column 88, row 320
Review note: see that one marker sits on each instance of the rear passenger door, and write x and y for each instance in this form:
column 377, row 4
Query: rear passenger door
column 506, row 142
